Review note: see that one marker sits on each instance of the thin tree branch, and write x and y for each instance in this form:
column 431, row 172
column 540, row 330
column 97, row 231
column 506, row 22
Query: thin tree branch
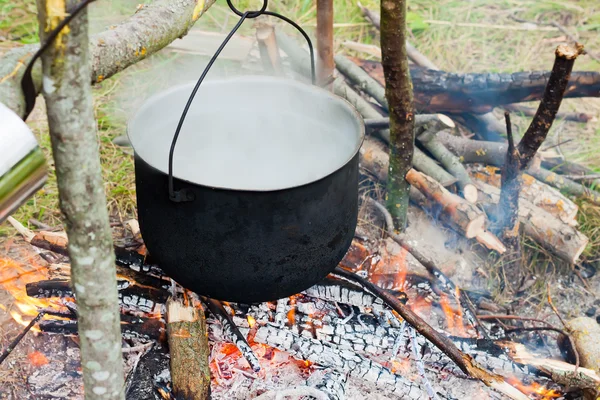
column 551, row 100
column 464, row 361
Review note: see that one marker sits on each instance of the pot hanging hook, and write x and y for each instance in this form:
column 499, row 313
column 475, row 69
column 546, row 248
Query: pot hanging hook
column 184, row 195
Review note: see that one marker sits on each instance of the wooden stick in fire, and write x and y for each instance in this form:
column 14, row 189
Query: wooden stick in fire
column 12, row 345
column 468, row 222
column 231, row 331
column 464, row 361
column 446, row 283
column 189, row 350
column 466, row 218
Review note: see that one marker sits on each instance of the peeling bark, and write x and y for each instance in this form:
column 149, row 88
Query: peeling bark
column 68, row 95
column 399, row 95
column 149, row 30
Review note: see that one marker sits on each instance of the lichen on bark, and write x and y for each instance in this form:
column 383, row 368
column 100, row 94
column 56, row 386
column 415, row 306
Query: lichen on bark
column 68, row 95
column 399, row 94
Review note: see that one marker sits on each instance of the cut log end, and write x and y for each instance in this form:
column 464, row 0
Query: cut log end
column 177, row 312
column 446, row 121
column 491, row 241
column 583, row 242
column 470, row 193
column 569, row 52
column 475, row 226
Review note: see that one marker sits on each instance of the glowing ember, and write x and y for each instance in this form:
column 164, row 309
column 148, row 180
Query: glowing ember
column 400, row 366
column 390, row 270
column 13, row 278
column 37, row 359
column 251, row 321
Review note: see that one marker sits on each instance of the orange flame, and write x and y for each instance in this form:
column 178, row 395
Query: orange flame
column 390, row 271
column 534, row 388
column 421, row 306
column 13, row 278
column 291, row 316
column 454, row 318
column 401, row 366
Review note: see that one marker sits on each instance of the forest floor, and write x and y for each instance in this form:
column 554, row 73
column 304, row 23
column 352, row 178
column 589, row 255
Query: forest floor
column 458, row 36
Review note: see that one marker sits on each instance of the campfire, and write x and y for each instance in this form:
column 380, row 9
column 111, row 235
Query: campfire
column 405, row 314
column 335, row 340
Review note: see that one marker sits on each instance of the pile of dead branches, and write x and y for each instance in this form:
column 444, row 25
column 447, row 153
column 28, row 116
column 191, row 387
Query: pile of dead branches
column 455, row 177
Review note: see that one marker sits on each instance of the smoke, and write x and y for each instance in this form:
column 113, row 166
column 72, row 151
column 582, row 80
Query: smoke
column 251, row 135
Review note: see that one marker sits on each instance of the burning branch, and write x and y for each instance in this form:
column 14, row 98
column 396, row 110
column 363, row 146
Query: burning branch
column 464, row 361
column 11, row 346
column 518, row 158
column 232, row 332
column 508, row 207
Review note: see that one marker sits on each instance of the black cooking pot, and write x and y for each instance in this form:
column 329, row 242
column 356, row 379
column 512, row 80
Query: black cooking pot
column 266, row 171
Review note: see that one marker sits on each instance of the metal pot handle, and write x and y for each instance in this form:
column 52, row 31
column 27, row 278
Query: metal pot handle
column 185, row 195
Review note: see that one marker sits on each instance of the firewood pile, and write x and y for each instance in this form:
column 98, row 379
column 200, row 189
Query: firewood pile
column 456, row 174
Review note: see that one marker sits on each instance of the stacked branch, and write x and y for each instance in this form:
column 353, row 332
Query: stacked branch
column 492, row 153
column 549, row 231
column 519, row 157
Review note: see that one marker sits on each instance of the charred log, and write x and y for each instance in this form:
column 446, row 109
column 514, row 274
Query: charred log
column 440, row 91
column 123, row 257
column 141, row 328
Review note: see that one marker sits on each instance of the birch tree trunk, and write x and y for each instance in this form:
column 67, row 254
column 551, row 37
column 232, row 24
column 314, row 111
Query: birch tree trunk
column 66, row 71
column 399, row 94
